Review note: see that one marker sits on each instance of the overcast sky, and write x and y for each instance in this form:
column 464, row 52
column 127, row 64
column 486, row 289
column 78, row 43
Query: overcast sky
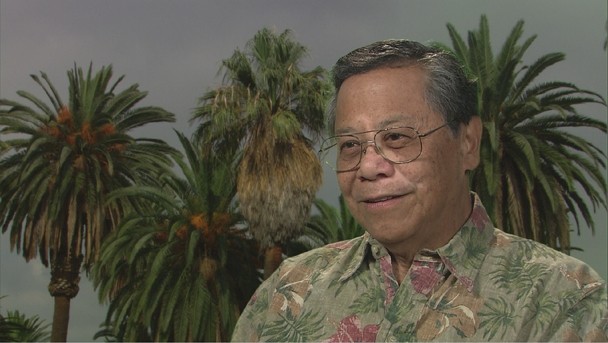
column 173, row 49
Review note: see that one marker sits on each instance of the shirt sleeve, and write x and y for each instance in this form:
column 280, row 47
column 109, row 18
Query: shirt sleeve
column 586, row 320
column 251, row 322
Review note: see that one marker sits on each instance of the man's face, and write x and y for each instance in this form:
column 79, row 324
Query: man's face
column 414, row 205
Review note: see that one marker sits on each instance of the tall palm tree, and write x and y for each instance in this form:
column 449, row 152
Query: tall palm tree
column 59, row 163
column 263, row 111
column 535, row 171
column 183, row 270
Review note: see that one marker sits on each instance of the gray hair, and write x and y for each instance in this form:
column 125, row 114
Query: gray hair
column 448, row 90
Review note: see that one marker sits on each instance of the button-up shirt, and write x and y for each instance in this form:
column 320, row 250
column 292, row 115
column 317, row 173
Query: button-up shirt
column 483, row 285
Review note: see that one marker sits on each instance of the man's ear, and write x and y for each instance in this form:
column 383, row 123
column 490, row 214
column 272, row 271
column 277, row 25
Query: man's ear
column 471, row 141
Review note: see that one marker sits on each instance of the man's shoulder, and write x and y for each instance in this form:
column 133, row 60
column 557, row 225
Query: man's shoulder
column 334, row 258
column 330, row 251
column 542, row 262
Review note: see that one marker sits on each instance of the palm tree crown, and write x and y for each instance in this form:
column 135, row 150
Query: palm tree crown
column 535, row 172
column 264, row 112
column 58, row 164
column 66, row 157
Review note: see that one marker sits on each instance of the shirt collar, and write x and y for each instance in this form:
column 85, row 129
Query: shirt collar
column 357, row 254
column 462, row 255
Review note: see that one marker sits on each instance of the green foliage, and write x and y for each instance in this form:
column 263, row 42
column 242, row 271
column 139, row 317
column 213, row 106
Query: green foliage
column 184, row 269
column 16, row 327
column 535, row 173
column 59, row 161
column 263, row 114
column 263, row 85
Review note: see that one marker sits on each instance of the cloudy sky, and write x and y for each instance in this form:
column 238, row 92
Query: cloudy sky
column 173, row 50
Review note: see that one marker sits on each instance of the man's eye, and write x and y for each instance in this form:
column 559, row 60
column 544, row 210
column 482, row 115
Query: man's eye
column 394, row 136
column 349, row 146
column 396, row 140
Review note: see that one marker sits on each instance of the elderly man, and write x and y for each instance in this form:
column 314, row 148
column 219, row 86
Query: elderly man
column 431, row 266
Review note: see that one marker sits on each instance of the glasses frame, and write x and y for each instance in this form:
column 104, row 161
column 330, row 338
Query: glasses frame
column 365, row 144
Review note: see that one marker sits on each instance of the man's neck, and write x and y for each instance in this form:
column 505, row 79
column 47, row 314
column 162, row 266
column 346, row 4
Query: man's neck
column 402, row 259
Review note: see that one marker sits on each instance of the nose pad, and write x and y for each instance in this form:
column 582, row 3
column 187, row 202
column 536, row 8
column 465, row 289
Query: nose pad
column 367, row 144
column 373, row 166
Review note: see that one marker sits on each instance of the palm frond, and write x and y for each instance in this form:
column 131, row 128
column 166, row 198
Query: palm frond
column 535, row 172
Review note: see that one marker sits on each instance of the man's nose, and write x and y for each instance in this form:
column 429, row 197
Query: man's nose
column 373, row 163
column 367, row 144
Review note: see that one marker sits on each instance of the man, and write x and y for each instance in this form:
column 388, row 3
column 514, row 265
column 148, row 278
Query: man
column 431, row 266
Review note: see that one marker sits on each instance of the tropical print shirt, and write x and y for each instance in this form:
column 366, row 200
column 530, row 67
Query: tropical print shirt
column 484, row 285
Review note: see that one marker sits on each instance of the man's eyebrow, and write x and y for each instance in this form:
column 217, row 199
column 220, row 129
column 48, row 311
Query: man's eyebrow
column 345, row 130
column 393, row 121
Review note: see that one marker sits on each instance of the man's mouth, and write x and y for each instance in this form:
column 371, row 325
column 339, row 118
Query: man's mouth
column 382, row 199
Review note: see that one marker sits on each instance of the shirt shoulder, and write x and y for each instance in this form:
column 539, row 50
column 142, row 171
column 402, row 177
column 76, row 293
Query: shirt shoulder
column 281, row 298
column 562, row 297
column 338, row 259
column 561, row 270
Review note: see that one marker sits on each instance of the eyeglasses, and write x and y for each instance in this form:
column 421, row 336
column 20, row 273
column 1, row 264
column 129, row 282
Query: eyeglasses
column 397, row 144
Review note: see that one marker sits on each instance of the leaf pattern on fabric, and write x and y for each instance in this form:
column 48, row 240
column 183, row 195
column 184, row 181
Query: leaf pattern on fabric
column 483, row 285
column 455, row 308
column 289, row 328
column 368, row 302
column 349, row 330
column 498, row 318
column 291, row 291
column 580, row 277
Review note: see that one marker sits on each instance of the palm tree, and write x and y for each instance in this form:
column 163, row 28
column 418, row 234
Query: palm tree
column 535, row 171
column 262, row 112
column 184, row 269
column 16, row 327
column 59, row 163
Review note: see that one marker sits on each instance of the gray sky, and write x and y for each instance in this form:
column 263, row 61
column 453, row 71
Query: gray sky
column 173, row 50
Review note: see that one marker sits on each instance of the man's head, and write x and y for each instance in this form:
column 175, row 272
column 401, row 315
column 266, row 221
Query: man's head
column 417, row 202
column 448, row 90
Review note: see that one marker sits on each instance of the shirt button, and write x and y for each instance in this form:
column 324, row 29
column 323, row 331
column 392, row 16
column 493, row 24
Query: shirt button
column 392, row 339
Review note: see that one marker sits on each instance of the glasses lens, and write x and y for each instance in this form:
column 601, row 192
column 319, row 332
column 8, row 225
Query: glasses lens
column 341, row 152
column 399, row 145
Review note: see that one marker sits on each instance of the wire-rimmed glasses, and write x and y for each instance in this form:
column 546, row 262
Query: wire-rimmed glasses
column 396, row 144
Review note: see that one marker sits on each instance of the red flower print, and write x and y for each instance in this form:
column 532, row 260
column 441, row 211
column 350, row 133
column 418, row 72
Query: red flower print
column 349, row 330
column 341, row 245
column 479, row 218
column 424, row 278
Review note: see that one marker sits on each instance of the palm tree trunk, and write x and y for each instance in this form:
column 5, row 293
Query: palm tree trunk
column 61, row 318
column 65, row 277
column 273, row 256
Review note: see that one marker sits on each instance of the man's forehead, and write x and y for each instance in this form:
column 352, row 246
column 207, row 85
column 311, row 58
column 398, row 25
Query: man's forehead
column 378, row 123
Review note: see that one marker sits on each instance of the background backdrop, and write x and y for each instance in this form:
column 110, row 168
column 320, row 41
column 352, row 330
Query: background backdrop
column 173, row 50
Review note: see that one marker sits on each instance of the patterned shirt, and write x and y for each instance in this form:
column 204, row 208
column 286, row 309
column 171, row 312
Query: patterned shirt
column 484, row 285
